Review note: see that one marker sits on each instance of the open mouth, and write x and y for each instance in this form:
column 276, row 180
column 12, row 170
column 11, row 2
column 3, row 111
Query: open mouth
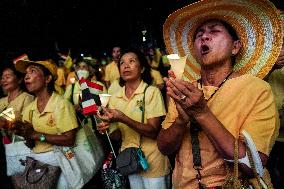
column 27, row 83
column 126, row 72
column 204, row 49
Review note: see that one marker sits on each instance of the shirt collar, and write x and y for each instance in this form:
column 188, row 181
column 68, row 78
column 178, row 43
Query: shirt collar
column 51, row 104
column 140, row 89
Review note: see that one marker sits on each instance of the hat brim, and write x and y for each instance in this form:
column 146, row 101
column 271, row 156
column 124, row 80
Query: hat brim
column 257, row 23
column 22, row 65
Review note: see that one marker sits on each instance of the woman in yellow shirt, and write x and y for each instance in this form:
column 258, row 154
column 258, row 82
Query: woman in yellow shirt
column 51, row 119
column 125, row 111
column 12, row 82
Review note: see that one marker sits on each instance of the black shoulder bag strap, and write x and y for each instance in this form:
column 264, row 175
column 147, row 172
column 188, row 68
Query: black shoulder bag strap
column 143, row 105
column 143, row 113
column 72, row 93
column 194, row 130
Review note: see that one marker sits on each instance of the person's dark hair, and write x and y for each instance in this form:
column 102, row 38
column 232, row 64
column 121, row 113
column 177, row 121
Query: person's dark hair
column 19, row 75
column 233, row 34
column 46, row 72
column 231, row 30
column 146, row 75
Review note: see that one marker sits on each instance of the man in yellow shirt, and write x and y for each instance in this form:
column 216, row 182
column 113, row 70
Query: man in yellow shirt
column 219, row 97
column 112, row 71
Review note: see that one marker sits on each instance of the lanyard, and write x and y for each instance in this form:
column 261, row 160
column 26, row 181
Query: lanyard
column 194, row 130
column 220, row 85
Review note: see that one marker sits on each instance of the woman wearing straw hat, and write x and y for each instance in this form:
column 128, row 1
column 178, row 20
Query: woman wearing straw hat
column 47, row 116
column 227, row 44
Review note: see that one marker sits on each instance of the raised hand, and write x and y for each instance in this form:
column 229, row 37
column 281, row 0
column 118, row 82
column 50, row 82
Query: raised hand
column 111, row 115
column 187, row 96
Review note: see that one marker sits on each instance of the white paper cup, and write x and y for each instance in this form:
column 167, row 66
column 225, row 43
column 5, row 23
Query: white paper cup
column 177, row 64
column 8, row 114
column 104, row 99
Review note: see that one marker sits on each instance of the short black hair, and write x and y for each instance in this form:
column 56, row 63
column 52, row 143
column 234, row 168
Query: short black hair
column 231, row 30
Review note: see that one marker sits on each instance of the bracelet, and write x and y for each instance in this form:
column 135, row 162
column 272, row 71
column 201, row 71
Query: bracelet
column 42, row 138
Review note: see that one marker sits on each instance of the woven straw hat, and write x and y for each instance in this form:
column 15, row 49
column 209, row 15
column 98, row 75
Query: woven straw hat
column 22, row 65
column 256, row 22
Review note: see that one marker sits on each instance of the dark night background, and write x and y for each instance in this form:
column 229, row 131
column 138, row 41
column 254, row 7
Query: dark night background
column 86, row 26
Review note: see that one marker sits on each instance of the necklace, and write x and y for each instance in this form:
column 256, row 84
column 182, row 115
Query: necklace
column 219, row 86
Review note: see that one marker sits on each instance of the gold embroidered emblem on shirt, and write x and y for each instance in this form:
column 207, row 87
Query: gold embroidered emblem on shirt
column 51, row 121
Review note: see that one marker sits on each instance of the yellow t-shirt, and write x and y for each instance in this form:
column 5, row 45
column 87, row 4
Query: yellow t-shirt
column 57, row 117
column 112, row 72
column 18, row 104
column 77, row 91
column 154, row 107
column 242, row 103
column 157, row 77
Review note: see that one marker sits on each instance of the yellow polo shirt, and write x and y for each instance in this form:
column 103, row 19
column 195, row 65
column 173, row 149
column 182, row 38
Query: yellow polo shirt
column 242, row 103
column 154, row 107
column 112, row 72
column 58, row 116
column 18, row 104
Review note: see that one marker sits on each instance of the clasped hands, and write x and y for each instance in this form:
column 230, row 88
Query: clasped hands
column 20, row 128
column 3, row 123
column 108, row 116
column 189, row 100
column 26, row 130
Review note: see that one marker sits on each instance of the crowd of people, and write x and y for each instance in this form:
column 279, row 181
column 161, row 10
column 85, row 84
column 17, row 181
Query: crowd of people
column 213, row 127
